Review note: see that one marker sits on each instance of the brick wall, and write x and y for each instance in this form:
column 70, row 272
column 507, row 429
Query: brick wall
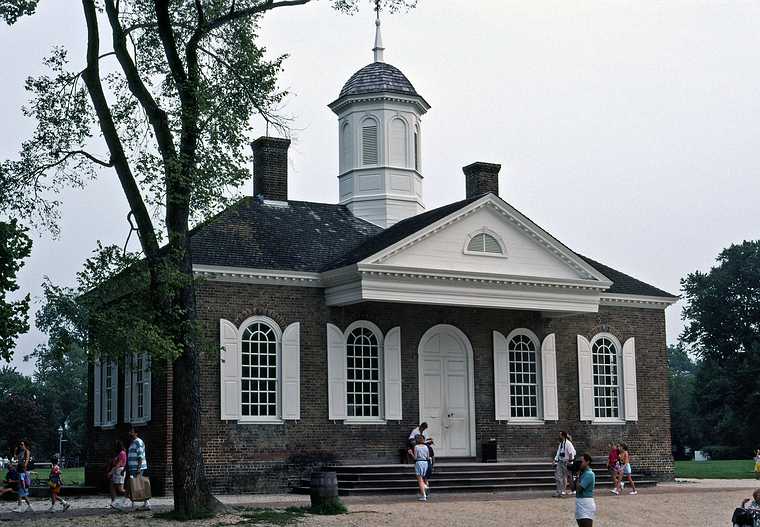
column 266, row 457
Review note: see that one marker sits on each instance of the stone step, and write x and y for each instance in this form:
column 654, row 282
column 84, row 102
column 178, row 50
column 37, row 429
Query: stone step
column 487, row 487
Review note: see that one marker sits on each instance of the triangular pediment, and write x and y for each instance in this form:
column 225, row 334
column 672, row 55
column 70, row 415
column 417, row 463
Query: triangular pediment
column 524, row 249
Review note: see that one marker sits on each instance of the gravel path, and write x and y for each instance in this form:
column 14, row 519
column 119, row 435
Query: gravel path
column 678, row 504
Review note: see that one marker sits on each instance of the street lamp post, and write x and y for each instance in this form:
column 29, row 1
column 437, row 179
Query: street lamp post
column 60, row 442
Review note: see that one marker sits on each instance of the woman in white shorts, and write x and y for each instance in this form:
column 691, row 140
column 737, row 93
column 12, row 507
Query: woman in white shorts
column 421, row 455
column 116, row 474
column 585, row 506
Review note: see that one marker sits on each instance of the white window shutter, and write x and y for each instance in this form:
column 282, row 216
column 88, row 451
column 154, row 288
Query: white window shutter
column 585, row 379
column 114, row 393
column 291, row 372
column 392, row 373
column 128, row 402
column 549, row 377
column 97, row 394
column 146, row 388
column 501, row 376
column 229, row 342
column 336, row 373
column 631, row 403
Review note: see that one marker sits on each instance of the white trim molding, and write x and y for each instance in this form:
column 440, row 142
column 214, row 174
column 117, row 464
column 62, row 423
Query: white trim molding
column 647, row 302
column 257, row 276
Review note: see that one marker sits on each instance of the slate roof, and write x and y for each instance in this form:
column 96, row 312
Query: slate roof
column 378, row 77
column 293, row 235
column 315, row 237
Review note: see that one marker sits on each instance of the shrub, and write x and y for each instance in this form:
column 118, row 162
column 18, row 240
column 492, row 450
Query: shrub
column 728, row 452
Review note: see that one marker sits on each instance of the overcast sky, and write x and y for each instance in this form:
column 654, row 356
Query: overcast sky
column 629, row 130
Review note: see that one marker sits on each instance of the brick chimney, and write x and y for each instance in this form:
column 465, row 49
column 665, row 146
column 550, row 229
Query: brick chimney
column 481, row 178
column 270, row 168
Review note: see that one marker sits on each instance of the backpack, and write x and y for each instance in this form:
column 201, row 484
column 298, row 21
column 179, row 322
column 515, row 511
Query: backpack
column 742, row 517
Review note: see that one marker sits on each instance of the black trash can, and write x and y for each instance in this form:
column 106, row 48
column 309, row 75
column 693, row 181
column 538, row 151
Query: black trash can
column 488, row 451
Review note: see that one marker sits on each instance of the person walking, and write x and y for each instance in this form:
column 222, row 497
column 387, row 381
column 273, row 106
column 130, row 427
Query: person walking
column 625, row 462
column 23, row 466
column 585, row 506
column 421, row 455
column 137, row 463
column 757, row 464
column 117, row 473
column 614, row 468
column 55, row 482
column 12, row 483
column 564, row 456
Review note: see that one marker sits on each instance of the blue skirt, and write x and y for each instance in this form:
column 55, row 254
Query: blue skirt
column 420, row 467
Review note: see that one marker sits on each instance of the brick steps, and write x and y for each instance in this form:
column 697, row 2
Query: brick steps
column 455, row 477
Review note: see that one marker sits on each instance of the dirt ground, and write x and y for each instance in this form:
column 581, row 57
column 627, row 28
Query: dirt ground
column 662, row 507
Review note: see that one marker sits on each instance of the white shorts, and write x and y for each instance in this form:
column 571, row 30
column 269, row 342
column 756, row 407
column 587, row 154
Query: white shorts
column 585, row 508
column 117, row 478
column 420, row 468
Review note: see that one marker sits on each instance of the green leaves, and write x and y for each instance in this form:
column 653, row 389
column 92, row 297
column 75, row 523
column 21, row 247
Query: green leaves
column 15, row 246
column 12, row 10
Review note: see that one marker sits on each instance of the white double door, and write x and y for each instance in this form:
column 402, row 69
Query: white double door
column 445, row 390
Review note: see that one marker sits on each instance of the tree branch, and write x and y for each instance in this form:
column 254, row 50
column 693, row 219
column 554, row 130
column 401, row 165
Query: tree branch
column 156, row 115
column 91, row 77
column 250, row 11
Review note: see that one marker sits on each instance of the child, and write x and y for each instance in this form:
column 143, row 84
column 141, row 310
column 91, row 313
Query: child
column 625, row 462
column 757, row 464
column 421, row 455
column 55, row 482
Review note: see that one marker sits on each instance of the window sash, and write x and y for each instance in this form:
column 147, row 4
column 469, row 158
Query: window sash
column 606, row 375
column 363, row 375
column 523, row 378
column 260, row 371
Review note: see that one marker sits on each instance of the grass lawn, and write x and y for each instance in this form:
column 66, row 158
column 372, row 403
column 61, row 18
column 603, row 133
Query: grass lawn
column 73, row 476
column 719, row 469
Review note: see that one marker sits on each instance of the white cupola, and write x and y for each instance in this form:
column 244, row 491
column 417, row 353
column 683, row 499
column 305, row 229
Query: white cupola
column 380, row 142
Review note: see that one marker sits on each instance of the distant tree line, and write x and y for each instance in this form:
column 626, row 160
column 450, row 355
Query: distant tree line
column 715, row 368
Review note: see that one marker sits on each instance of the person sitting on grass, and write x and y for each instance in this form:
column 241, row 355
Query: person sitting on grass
column 13, row 483
column 55, row 482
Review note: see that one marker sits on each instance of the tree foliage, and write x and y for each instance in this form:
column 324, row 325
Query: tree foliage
column 722, row 316
column 15, row 246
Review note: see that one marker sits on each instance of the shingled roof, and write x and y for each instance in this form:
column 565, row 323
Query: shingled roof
column 378, row 77
column 315, row 237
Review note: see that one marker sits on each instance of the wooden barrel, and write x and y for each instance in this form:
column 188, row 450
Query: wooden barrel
column 324, row 488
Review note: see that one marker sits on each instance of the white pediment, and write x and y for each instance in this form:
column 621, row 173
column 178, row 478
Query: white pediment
column 527, row 251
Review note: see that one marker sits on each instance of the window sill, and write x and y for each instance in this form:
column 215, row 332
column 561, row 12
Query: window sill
column 249, row 421
column 138, row 424
column 609, row 422
column 354, row 422
column 526, row 422
column 107, row 427
column 483, row 253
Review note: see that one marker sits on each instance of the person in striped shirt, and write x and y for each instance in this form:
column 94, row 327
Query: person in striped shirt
column 136, row 459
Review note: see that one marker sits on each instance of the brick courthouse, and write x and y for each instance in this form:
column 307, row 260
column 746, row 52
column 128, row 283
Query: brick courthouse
column 343, row 325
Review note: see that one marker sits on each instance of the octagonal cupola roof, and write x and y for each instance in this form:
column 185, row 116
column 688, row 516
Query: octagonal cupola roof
column 378, row 77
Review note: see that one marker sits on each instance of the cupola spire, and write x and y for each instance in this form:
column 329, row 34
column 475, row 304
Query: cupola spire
column 378, row 49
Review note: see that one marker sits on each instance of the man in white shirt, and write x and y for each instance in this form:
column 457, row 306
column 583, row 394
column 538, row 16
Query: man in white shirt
column 564, row 456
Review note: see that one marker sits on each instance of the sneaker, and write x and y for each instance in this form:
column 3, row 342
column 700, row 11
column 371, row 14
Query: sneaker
column 615, row 492
column 632, row 493
column 66, row 506
column 422, row 498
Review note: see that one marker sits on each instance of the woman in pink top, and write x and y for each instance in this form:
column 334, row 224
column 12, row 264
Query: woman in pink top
column 116, row 474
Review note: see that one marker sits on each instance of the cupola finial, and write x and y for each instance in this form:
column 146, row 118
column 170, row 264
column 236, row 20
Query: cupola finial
column 378, row 49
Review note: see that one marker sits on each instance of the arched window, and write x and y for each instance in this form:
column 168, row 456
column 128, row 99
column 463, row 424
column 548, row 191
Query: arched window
column 417, row 148
column 398, row 140
column 260, row 364
column 606, row 360
column 524, row 375
column 363, row 372
column 484, row 242
column 369, row 142
column 347, row 147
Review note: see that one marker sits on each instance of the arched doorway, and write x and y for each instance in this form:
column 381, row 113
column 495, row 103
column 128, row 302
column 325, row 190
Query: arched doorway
column 447, row 401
